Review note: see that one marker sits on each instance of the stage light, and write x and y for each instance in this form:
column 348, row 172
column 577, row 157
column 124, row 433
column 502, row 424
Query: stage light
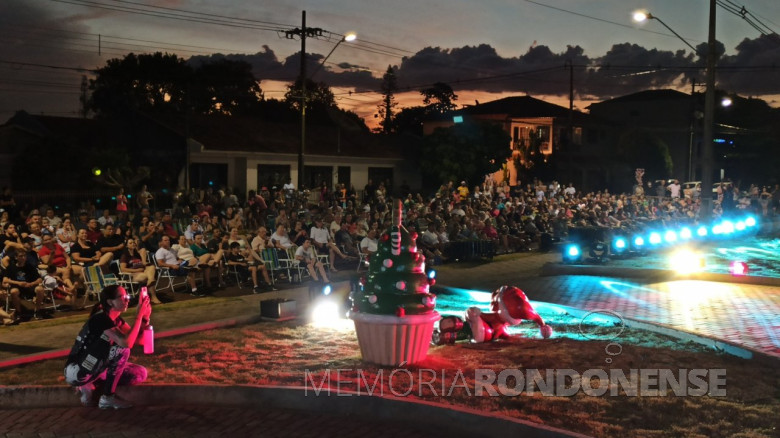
column 717, row 229
column 702, row 231
column 739, row 226
column 728, row 227
column 750, row 221
column 670, row 236
column 686, row 261
column 620, row 244
column 655, row 238
column 685, row 233
column 639, row 241
column 738, row 269
column 431, row 275
column 572, row 253
column 327, row 290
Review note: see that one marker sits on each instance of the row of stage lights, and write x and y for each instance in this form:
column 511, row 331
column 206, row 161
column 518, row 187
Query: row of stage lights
column 641, row 243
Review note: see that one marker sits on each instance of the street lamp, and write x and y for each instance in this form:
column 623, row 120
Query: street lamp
column 705, row 210
column 351, row 36
column 640, row 16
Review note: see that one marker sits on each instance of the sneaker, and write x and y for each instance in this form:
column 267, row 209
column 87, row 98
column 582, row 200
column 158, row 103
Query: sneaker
column 113, row 402
column 198, row 293
column 85, row 394
column 257, row 289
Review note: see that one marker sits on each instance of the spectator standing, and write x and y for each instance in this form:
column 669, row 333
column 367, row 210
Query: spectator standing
column 121, row 201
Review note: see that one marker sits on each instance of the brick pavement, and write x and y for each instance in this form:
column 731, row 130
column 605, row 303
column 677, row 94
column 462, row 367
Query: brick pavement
column 195, row 421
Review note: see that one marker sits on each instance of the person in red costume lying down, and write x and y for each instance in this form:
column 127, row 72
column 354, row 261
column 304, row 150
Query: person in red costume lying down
column 509, row 307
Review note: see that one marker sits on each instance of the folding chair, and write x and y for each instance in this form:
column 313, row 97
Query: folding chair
column 274, row 265
column 165, row 273
column 362, row 258
column 95, row 281
column 125, row 279
column 232, row 270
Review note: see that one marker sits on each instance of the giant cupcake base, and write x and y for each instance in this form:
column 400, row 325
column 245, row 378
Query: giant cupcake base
column 394, row 340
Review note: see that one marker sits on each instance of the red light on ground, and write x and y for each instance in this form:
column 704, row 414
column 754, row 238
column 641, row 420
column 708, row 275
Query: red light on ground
column 739, row 268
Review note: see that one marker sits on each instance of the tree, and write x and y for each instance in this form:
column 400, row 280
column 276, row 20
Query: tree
column 386, row 109
column 438, row 99
column 410, row 120
column 153, row 83
column 318, row 95
column 640, row 148
column 225, row 87
column 464, row 151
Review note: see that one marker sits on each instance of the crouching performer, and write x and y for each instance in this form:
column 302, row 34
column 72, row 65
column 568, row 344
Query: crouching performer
column 102, row 349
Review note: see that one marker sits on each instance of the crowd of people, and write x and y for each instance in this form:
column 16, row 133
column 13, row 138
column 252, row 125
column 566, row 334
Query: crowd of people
column 207, row 232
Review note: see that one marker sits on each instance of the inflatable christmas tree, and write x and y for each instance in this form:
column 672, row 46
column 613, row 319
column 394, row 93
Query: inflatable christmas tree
column 394, row 311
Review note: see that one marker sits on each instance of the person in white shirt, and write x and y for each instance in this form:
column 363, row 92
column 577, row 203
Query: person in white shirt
column 305, row 254
column 570, row 190
column 280, row 239
column 166, row 258
column 369, row 243
column 289, row 190
column 323, row 243
column 674, row 188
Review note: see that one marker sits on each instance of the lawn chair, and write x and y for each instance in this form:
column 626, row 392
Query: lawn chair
column 233, row 270
column 165, row 273
column 362, row 258
column 95, row 281
column 125, row 279
column 275, row 266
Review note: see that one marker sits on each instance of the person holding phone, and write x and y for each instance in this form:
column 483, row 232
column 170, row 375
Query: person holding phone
column 101, row 352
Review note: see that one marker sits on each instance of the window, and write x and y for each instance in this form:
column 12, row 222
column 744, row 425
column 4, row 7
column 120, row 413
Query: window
column 381, row 174
column 269, row 175
column 204, row 175
column 344, row 175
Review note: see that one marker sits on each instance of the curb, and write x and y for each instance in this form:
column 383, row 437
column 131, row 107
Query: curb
column 552, row 269
column 445, row 419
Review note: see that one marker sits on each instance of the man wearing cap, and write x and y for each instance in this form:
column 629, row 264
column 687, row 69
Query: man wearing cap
column 83, row 220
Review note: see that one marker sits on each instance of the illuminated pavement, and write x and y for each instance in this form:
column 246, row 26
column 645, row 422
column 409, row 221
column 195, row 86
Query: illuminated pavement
column 743, row 314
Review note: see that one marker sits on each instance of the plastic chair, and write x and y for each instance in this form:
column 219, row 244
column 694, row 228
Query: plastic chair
column 165, row 273
column 95, row 281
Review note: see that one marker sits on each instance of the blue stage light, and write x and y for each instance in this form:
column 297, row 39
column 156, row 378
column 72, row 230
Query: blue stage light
column 620, row 243
column 572, row 253
column 717, row 229
column 655, row 238
column 739, row 226
column 702, row 231
column 728, row 227
column 327, row 290
column 432, row 274
column 639, row 241
column 685, row 233
column 750, row 221
column 670, row 236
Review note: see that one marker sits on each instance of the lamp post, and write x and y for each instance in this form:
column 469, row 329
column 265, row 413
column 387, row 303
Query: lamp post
column 705, row 211
column 304, row 32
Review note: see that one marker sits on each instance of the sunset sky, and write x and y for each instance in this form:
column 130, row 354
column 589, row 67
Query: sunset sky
column 484, row 49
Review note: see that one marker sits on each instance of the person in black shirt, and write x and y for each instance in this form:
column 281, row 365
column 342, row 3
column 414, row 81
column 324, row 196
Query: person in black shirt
column 22, row 279
column 102, row 349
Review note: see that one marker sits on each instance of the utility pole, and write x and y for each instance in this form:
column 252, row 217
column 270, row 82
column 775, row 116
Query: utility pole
column 705, row 212
column 302, row 32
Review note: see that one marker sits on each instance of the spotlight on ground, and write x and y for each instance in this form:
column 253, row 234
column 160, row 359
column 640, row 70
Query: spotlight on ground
column 655, row 238
column 717, row 230
column 739, row 226
column 702, row 231
column 327, row 290
column 750, row 221
column 728, row 227
column 738, row 269
column 686, row 233
column 327, row 313
column 431, row 274
column 572, row 253
column 639, row 241
column 670, row 236
column 685, row 261
column 619, row 245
